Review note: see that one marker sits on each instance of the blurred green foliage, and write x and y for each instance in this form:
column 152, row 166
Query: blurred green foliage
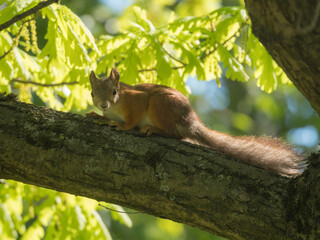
column 142, row 53
column 171, row 42
column 29, row 212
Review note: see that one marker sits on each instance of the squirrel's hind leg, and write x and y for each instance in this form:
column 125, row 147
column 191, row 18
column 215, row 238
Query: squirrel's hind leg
column 148, row 130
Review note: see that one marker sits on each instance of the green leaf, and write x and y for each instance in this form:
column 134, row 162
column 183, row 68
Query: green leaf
column 34, row 232
column 6, row 71
column 45, row 215
column 5, row 42
column 225, row 29
column 265, row 73
column 120, row 215
column 7, row 223
column 83, row 34
column 114, row 49
column 80, row 217
column 235, row 69
column 129, row 67
column 102, row 225
column 211, row 66
column 163, row 67
column 193, row 63
column 142, row 22
column 16, row 7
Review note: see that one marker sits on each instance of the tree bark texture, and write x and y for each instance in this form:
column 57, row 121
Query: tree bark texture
column 159, row 176
column 290, row 31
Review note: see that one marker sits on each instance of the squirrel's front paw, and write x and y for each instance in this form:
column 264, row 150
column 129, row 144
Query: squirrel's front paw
column 146, row 130
column 115, row 124
column 95, row 115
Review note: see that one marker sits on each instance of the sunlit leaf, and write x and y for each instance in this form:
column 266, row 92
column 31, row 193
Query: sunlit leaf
column 34, row 232
column 102, row 225
column 45, row 215
column 15, row 8
column 80, row 217
column 265, row 73
column 7, row 224
column 235, row 70
column 120, row 215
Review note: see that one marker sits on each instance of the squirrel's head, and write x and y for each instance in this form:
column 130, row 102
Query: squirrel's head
column 105, row 91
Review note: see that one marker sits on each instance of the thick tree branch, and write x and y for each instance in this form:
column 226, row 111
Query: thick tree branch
column 158, row 176
column 27, row 13
column 290, row 31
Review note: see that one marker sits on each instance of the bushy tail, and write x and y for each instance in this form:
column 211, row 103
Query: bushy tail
column 270, row 153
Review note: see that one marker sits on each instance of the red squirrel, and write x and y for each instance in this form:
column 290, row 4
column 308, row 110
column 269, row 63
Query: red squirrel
column 165, row 111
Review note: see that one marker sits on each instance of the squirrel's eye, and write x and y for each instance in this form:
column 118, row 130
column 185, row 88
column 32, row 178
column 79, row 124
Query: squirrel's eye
column 114, row 92
column 91, row 94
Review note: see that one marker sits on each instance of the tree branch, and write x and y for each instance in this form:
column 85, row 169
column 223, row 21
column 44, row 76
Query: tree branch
column 159, row 176
column 279, row 27
column 27, row 13
column 18, row 80
column 313, row 23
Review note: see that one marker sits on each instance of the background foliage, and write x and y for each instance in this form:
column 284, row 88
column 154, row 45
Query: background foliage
column 196, row 47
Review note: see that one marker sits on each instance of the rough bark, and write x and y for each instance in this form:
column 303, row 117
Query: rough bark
column 290, row 31
column 159, row 176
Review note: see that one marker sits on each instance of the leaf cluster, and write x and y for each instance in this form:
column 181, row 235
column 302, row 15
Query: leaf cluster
column 29, row 212
column 219, row 43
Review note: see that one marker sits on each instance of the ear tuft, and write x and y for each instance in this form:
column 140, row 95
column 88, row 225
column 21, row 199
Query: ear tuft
column 114, row 75
column 93, row 78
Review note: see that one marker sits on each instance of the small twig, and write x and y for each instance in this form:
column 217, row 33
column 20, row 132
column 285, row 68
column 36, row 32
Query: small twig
column 154, row 69
column 175, row 68
column 215, row 49
column 27, row 13
column 147, row 70
column 117, row 210
column 174, row 58
column 43, row 84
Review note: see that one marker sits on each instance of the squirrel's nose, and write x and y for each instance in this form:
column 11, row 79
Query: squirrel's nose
column 104, row 106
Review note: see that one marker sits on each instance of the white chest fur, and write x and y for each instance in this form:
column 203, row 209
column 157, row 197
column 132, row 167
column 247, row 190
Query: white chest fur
column 114, row 115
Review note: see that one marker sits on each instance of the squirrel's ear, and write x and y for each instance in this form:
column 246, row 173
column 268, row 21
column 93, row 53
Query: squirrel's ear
column 93, row 77
column 114, row 75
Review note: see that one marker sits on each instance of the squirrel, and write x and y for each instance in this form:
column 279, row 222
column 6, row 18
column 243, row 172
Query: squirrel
column 157, row 109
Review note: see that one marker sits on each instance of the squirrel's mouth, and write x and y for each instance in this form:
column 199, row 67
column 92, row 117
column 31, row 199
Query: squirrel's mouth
column 104, row 106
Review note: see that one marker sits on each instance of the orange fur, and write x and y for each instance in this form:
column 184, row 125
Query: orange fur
column 167, row 112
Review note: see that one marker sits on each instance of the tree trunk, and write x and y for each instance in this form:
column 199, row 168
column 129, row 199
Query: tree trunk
column 290, row 31
column 159, row 176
